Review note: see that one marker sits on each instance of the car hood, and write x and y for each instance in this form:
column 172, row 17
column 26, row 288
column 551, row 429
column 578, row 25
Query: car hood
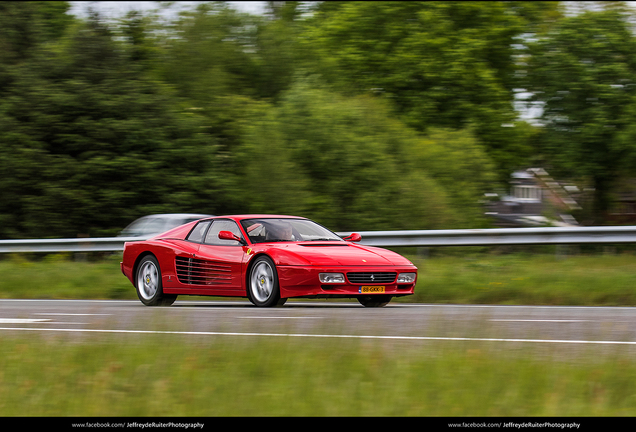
column 340, row 254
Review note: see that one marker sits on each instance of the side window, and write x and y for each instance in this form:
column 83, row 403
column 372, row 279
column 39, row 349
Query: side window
column 212, row 238
column 196, row 235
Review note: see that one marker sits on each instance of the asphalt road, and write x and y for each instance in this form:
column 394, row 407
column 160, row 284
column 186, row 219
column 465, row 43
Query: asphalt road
column 568, row 328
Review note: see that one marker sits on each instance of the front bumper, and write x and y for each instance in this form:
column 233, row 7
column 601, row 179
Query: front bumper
column 296, row 281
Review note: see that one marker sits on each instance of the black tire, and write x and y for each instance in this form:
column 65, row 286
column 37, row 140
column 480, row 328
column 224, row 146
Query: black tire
column 374, row 300
column 281, row 301
column 148, row 283
column 262, row 283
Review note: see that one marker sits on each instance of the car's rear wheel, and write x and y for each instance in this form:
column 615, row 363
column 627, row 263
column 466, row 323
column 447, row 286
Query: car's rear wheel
column 374, row 300
column 148, row 283
column 263, row 289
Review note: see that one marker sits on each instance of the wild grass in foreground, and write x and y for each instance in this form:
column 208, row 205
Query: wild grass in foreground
column 539, row 279
column 163, row 376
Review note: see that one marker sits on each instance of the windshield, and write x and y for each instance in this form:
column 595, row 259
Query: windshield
column 277, row 230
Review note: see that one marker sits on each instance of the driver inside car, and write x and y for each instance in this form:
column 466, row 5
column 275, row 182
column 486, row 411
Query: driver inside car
column 280, row 231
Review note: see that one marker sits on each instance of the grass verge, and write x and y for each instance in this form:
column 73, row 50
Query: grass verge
column 583, row 280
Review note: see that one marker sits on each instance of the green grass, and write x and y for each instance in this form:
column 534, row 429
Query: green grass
column 163, row 376
column 60, row 277
column 595, row 280
column 476, row 279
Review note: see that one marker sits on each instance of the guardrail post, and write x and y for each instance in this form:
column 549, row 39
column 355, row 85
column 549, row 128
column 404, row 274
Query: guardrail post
column 562, row 251
column 423, row 252
column 81, row 256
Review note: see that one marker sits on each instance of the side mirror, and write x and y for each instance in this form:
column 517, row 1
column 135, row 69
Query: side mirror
column 227, row 235
column 355, row 237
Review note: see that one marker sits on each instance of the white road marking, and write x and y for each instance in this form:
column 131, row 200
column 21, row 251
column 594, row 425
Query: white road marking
column 22, row 320
column 66, row 323
column 279, row 317
column 68, row 301
column 34, row 321
column 71, row 314
column 305, row 335
column 540, row 320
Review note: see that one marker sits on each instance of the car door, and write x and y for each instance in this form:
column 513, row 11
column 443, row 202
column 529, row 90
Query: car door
column 220, row 261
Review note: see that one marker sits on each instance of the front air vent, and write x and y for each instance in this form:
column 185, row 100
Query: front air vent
column 371, row 277
column 194, row 271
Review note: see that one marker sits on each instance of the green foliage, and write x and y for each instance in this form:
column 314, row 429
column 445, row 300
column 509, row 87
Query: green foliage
column 347, row 163
column 362, row 115
column 206, row 59
column 222, row 62
column 24, row 25
column 89, row 143
column 460, row 164
column 441, row 64
column 583, row 73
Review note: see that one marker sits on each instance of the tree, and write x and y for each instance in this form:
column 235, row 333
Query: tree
column 583, row 73
column 346, row 163
column 88, row 143
column 441, row 64
column 24, row 25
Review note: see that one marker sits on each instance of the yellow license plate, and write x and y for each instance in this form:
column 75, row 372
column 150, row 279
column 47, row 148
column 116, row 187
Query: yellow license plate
column 371, row 290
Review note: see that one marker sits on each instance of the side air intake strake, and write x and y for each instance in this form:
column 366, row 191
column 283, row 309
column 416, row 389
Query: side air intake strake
column 194, row 271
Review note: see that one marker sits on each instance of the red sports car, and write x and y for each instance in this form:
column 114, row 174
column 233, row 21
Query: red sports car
column 265, row 258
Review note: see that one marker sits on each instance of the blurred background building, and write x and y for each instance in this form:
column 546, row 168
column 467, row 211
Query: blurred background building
column 534, row 199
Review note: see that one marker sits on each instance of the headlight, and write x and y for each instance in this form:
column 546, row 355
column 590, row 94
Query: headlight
column 406, row 278
column 331, row 278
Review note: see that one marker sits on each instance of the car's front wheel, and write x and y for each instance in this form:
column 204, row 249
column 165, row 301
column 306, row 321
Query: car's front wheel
column 148, row 283
column 374, row 300
column 263, row 288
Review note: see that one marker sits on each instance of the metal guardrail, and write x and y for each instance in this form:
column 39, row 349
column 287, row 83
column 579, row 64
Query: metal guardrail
column 501, row 236
column 99, row 244
column 461, row 237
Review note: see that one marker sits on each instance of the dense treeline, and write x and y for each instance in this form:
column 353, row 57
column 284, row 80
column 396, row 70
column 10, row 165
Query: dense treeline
column 360, row 115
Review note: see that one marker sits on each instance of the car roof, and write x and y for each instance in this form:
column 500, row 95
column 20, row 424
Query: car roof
column 257, row 216
column 177, row 215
